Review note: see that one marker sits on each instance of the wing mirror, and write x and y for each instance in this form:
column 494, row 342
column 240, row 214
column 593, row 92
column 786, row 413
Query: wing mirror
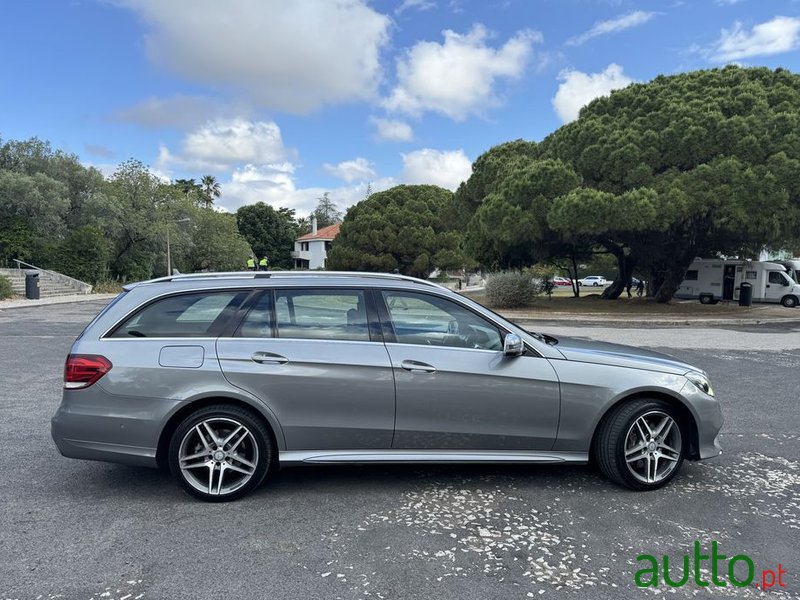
column 512, row 345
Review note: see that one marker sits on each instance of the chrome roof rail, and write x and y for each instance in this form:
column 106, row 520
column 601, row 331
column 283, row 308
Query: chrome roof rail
column 288, row 274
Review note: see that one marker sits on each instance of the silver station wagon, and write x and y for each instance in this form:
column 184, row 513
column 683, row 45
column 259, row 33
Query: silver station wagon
column 225, row 377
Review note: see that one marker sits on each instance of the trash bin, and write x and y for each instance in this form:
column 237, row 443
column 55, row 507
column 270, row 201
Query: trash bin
column 746, row 294
column 32, row 285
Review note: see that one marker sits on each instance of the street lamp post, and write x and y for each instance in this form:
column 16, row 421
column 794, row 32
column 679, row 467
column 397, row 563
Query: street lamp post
column 169, row 254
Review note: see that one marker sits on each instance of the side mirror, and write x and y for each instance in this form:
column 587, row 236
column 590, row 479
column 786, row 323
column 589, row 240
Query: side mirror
column 512, row 345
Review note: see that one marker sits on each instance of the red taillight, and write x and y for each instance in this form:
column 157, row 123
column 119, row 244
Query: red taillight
column 82, row 370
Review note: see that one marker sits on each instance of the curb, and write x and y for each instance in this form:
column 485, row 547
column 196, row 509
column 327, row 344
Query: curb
column 23, row 303
column 578, row 320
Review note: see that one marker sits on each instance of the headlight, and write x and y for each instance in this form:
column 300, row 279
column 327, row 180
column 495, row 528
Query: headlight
column 701, row 381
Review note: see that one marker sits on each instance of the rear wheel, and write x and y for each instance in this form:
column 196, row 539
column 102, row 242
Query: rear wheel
column 706, row 299
column 640, row 445
column 789, row 301
column 220, row 453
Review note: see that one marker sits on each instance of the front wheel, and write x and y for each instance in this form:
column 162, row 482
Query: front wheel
column 220, row 453
column 789, row 301
column 640, row 445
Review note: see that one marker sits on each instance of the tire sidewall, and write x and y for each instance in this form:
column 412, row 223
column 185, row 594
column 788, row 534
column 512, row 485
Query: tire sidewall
column 789, row 301
column 244, row 417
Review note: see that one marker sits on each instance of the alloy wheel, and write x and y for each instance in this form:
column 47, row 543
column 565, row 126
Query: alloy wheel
column 653, row 447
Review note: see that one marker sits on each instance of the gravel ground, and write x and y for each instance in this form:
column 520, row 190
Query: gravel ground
column 83, row 530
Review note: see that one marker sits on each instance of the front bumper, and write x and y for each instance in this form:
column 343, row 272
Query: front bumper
column 709, row 420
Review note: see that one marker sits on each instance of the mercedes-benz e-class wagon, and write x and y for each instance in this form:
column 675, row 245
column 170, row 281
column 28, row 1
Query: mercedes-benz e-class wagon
column 225, row 377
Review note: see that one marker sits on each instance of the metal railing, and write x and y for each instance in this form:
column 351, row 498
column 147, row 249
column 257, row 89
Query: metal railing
column 82, row 285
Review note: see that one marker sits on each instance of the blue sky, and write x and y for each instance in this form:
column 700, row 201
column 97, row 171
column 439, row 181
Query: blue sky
column 283, row 100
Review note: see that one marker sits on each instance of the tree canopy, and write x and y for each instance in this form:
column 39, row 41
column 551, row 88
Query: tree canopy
column 405, row 228
column 269, row 232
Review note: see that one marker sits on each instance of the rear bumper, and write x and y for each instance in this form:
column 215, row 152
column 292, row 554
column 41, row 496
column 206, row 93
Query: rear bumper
column 90, row 450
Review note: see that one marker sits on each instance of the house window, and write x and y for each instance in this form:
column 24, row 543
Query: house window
column 304, row 246
column 327, row 246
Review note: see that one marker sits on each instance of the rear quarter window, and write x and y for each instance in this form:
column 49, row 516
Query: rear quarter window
column 199, row 314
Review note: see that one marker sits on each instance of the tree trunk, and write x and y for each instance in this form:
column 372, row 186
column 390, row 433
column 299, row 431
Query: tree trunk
column 672, row 278
column 576, row 289
column 625, row 265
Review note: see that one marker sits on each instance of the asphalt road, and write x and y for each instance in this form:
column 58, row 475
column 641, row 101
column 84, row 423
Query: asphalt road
column 82, row 530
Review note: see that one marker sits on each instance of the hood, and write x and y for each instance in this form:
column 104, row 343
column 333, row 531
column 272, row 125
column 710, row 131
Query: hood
column 603, row 353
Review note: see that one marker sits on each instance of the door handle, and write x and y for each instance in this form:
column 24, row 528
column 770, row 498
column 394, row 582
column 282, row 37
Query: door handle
column 413, row 365
column 269, row 358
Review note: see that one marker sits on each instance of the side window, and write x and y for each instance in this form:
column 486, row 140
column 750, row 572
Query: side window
column 258, row 322
column 185, row 315
column 691, row 275
column 433, row 321
column 322, row 314
column 776, row 277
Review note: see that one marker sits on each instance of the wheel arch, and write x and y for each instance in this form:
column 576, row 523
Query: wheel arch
column 687, row 419
column 259, row 411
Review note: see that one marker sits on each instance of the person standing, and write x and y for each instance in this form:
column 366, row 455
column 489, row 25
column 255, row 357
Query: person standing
column 251, row 263
column 263, row 264
column 640, row 288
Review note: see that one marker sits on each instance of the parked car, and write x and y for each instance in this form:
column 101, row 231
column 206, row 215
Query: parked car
column 562, row 281
column 226, row 377
column 594, row 281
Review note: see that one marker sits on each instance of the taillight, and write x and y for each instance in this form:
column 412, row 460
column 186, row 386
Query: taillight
column 82, row 370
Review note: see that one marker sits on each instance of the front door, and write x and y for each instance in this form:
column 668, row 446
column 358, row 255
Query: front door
column 776, row 286
column 308, row 354
column 455, row 388
column 728, row 282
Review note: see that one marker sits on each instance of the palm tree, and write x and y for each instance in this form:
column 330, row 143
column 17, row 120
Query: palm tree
column 211, row 189
column 187, row 186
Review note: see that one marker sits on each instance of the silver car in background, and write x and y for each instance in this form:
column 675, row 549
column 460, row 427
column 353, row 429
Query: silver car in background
column 225, row 377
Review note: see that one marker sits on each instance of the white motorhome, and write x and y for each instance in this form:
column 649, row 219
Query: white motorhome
column 792, row 267
column 712, row 280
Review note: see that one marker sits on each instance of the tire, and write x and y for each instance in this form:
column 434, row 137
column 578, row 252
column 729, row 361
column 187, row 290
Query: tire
column 706, row 299
column 789, row 301
column 621, row 434
column 220, row 453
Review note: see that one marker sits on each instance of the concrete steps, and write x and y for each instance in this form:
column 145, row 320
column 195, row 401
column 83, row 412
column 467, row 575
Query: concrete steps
column 51, row 283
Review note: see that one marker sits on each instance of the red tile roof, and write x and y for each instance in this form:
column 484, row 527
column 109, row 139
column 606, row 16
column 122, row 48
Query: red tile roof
column 326, row 233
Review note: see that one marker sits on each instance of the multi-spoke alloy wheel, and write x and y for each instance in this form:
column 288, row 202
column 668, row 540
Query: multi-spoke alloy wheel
column 653, row 447
column 220, row 453
column 640, row 444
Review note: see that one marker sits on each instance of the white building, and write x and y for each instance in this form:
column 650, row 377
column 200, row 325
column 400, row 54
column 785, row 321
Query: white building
column 311, row 249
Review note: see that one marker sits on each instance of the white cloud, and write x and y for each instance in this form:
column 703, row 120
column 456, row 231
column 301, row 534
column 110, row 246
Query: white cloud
column 358, row 169
column 295, row 56
column 180, row 111
column 392, row 130
column 781, row 34
column 577, row 89
column 223, row 143
column 457, row 78
column 620, row 23
column 446, row 169
column 275, row 185
column 415, row 4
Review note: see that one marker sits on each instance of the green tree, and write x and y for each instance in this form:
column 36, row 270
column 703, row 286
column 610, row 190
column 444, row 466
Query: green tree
column 401, row 228
column 85, row 253
column 211, row 190
column 327, row 213
column 269, row 232
column 214, row 243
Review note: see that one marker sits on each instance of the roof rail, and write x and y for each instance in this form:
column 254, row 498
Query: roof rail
column 289, row 274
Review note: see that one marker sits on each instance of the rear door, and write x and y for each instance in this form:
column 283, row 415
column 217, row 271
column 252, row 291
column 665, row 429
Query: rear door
column 312, row 357
column 455, row 388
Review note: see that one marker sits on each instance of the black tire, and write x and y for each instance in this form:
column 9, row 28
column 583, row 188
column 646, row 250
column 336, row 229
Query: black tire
column 256, row 449
column 706, row 299
column 789, row 301
column 595, row 284
column 610, row 443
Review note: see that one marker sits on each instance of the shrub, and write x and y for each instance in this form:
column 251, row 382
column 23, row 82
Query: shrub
column 510, row 290
column 5, row 288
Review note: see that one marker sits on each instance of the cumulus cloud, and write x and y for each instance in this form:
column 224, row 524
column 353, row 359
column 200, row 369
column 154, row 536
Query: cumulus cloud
column 223, row 143
column 275, row 184
column 457, row 77
column 446, row 169
column 620, row 23
column 392, row 130
column 294, row 56
column 781, row 34
column 577, row 89
column 358, row 169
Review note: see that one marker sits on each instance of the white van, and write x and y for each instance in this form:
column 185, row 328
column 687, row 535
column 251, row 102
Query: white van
column 712, row 280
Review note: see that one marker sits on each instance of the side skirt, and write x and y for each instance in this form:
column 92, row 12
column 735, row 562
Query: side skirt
column 295, row 457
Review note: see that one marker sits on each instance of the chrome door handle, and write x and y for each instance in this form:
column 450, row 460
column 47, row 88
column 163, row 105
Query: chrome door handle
column 413, row 365
column 269, row 358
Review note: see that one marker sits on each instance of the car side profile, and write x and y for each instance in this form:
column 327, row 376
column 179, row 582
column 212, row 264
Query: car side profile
column 223, row 378
column 593, row 280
